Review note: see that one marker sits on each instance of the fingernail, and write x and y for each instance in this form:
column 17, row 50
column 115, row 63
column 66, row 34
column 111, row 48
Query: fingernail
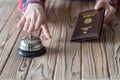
column 28, row 31
column 50, row 37
column 96, row 8
column 17, row 26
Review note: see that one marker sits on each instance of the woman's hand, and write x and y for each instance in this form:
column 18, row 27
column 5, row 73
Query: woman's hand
column 109, row 10
column 33, row 19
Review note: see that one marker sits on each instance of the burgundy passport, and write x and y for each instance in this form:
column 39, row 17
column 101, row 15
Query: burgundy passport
column 89, row 25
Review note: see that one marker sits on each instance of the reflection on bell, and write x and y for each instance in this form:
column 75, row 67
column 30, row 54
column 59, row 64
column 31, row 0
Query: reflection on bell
column 31, row 46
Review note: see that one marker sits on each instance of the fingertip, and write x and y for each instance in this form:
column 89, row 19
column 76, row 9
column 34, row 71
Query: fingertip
column 99, row 4
column 96, row 8
column 36, row 28
column 29, row 30
column 46, row 30
column 21, row 23
column 18, row 25
column 49, row 36
column 25, row 28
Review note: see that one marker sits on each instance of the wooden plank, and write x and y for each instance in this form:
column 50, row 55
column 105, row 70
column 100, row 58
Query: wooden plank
column 97, row 59
column 44, row 67
column 68, row 65
column 94, row 62
column 112, row 45
column 19, row 65
column 16, row 66
column 8, row 0
column 8, row 37
column 1, row 3
column 6, row 11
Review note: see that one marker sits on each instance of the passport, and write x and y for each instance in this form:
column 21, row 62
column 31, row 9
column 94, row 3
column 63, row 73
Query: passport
column 89, row 25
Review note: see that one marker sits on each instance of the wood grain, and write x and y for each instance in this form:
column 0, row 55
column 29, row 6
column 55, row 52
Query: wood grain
column 113, row 47
column 5, row 11
column 16, row 66
column 64, row 60
column 6, row 38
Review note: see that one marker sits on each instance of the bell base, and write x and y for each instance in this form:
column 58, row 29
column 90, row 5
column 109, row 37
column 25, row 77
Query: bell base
column 31, row 54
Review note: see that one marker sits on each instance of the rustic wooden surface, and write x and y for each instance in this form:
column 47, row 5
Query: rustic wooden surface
column 64, row 60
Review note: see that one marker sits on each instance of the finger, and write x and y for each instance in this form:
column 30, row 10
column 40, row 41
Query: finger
column 38, row 23
column 32, row 24
column 99, row 4
column 27, row 23
column 109, row 17
column 109, row 14
column 46, row 30
column 21, row 22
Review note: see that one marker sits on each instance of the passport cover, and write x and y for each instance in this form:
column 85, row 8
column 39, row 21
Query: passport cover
column 89, row 25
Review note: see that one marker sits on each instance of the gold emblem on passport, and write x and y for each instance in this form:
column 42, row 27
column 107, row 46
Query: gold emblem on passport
column 85, row 29
column 87, row 20
column 85, row 32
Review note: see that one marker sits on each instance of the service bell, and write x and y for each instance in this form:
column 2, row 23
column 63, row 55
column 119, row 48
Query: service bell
column 31, row 46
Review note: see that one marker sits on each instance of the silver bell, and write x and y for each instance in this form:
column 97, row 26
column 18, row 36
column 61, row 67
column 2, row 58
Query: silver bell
column 31, row 46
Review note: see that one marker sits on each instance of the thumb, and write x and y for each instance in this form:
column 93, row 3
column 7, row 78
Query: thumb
column 99, row 4
column 45, row 29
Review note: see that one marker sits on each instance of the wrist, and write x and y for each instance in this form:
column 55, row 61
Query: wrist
column 35, row 6
column 41, row 2
column 23, row 4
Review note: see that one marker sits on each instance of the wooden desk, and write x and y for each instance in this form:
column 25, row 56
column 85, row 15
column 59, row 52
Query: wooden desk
column 64, row 60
